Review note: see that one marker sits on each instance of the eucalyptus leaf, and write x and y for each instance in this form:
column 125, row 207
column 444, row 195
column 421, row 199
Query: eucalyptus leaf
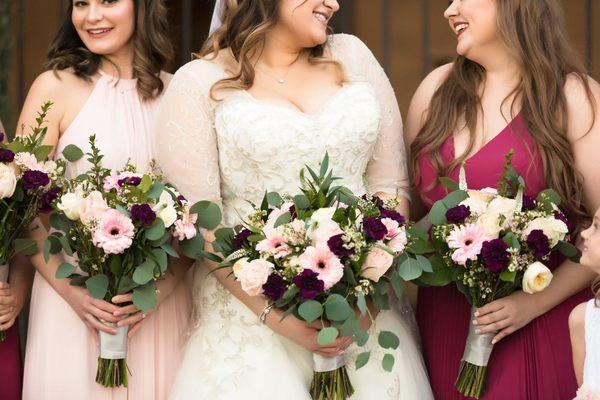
column 97, row 285
column 144, row 297
column 362, row 359
column 327, row 335
column 72, row 153
column 310, row 311
column 64, row 270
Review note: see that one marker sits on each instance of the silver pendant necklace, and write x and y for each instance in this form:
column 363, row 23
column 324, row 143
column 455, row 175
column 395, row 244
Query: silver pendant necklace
column 282, row 80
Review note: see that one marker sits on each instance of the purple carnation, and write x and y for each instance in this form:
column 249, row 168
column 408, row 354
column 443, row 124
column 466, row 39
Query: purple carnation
column 1, row 137
column 275, row 287
column 309, row 284
column 33, row 179
column 6, row 155
column 560, row 216
column 130, row 180
column 529, row 203
column 241, row 238
column 143, row 214
column 181, row 199
column 393, row 214
column 374, row 228
column 48, row 198
column 539, row 243
column 458, row 214
column 494, row 254
column 336, row 245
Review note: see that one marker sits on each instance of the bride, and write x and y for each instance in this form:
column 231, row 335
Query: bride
column 270, row 93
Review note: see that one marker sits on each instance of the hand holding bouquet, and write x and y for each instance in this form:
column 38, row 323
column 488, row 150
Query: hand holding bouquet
column 492, row 242
column 321, row 255
column 120, row 226
column 27, row 186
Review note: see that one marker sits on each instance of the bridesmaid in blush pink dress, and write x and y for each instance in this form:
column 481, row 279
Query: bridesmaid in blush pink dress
column 466, row 112
column 114, row 94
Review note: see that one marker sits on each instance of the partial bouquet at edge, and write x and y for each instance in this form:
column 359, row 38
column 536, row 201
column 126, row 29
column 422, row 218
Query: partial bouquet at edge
column 325, row 254
column 119, row 228
column 28, row 184
column 490, row 243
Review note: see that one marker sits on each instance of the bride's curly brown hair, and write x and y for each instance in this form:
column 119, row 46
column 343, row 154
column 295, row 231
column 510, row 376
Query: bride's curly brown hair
column 152, row 47
column 245, row 26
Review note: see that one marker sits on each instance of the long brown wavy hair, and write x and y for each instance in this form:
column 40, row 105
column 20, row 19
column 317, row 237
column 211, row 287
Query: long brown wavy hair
column 152, row 47
column 534, row 31
column 245, row 26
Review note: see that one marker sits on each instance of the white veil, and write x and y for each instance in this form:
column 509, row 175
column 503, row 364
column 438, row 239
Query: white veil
column 217, row 21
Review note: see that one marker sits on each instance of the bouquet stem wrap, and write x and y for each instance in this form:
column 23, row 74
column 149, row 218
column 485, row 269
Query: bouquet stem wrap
column 112, row 364
column 3, row 278
column 330, row 379
column 473, row 368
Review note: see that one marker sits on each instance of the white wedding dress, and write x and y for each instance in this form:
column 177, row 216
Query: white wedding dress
column 232, row 151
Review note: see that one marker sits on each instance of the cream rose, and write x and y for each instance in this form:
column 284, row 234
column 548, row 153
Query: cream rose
column 503, row 206
column 377, row 263
column 92, row 207
column 165, row 209
column 8, row 181
column 239, row 266
column 553, row 228
column 254, row 275
column 491, row 224
column 70, row 203
column 398, row 242
column 537, row 277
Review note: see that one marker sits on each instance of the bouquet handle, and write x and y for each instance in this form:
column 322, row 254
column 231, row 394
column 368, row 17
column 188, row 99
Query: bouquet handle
column 4, row 268
column 330, row 379
column 112, row 363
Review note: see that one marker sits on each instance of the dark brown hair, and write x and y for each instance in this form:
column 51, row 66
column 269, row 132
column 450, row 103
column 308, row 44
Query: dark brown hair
column 245, row 26
column 153, row 50
column 535, row 34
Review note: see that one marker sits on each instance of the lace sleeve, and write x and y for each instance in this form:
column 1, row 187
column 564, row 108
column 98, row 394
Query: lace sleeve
column 387, row 171
column 186, row 144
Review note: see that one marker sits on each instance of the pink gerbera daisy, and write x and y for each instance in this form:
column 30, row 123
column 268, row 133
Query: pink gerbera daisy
column 274, row 244
column 322, row 261
column 115, row 232
column 467, row 240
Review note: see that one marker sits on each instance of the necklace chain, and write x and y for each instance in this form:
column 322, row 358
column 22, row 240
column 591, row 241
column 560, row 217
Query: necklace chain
column 282, row 80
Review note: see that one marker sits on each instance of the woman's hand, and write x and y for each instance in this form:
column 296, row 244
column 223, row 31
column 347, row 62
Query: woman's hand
column 306, row 334
column 507, row 315
column 129, row 314
column 92, row 311
column 9, row 307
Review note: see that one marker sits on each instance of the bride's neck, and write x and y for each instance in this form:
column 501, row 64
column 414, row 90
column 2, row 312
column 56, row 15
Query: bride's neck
column 279, row 51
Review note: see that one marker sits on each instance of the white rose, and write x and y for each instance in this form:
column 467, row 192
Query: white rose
column 554, row 229
column 168, row 215
column 254, row 275
column 323, row 215
column 70, row 204
column 503, row 206
column 537, row 277
column 239, row 266
column 92, row 207
column 376, row 264
column 8, row 181
column 491, row 224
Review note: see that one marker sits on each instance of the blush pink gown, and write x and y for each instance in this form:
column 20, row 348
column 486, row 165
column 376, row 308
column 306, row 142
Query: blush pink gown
column 533, row 363
column 61, row 357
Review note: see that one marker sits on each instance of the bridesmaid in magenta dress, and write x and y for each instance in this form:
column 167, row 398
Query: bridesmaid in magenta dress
column 515, row 85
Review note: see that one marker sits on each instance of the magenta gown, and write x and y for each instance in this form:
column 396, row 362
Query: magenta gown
column 10, row 365
column 534, row 363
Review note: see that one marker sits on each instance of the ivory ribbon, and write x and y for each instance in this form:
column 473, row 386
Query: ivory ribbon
column 324, row 364
column 479, row 346
column 114, row 347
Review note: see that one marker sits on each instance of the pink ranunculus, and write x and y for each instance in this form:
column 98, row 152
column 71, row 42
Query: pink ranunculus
column 322, row 261
column 393, row 227
column 274, row 244
column 115, row 232
column 93, row 206
column 467, row 240
column 27, row 161
column 185, row 228
column 398, row 242
column 254, row 275
column 377, row 263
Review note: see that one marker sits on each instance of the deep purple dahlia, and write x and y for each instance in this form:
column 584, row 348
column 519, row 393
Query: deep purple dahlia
column 275, row 287
column 495, row 255
column 539, row 243
column 374, row 228
column 309, row 284
column 33, row 179
column 142, row 214
column 458, row 214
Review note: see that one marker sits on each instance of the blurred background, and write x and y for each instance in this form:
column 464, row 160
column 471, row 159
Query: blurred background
column 409, row 38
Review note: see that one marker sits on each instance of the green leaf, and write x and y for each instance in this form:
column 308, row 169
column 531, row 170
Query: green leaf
column 362, row 359
column 126, row 285
column 61, row 223
column 156, row 230
column 512, row 241
column 156, row 190
column 324, row 165
column 301, row 202
column 388, row 340
column 26, row 247
column 72, row 153
column 550, row 195
column 144, row 297
column 274, row 199
column 425, row 264
column 169, row 250
column 337, row 308
column 351, row 325
column 327, row 335
column 161, row 259
column 64, row 241
column 47, row 248
column 97, row 285
column 42, row 152
column 420, row 246
column 454, row 198
column 508, row 276
column 310, row 311
column 145, row 184
column 116, row 265
column 388, row 362
column 209, row 214
column 144, row 272
column 361, row 338
column 64, row 270
column 291, row 292
column 284, row 219
column 441, row 275
column 194, row 247
column 437, row 214
column 410, row 269
column 397, row 284
column 449, row 183
column 362, row 303
column 569, row 251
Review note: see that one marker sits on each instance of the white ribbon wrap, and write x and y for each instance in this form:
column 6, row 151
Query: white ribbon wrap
column 479, row 346
column 4, row 273
column 324, row 364
column 114, row 347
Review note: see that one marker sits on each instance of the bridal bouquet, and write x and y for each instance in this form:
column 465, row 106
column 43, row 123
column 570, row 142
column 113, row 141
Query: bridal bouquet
column 321, row 255
column 491, row 243
column 27, row 186
column 119, row 225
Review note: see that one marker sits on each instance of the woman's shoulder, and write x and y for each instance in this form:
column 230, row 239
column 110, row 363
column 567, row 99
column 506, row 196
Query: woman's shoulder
column 59, row 81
